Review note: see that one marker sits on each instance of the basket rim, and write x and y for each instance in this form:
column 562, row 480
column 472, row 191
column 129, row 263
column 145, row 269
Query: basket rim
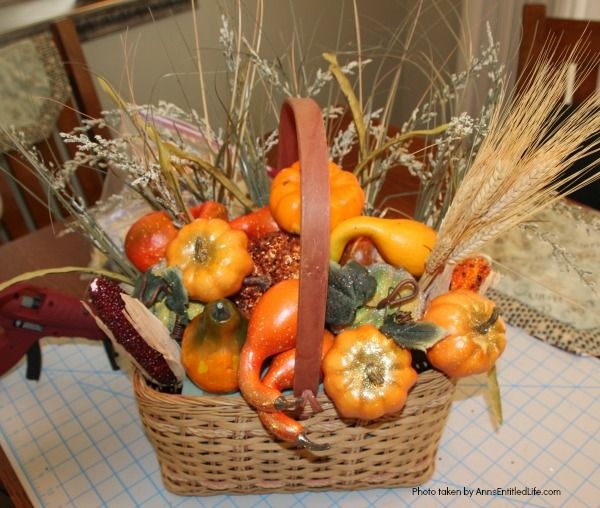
column 143, row 390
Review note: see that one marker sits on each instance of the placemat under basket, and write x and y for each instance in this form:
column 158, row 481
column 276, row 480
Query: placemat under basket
column 216, row 444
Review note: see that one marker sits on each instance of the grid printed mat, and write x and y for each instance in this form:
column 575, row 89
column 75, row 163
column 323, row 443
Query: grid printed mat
column 75, row 438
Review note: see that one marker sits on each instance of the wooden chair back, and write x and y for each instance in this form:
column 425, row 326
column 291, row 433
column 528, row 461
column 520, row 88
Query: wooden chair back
column 25, row 200
column 539, row 32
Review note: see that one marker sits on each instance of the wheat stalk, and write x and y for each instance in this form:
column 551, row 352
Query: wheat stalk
column 516, row 171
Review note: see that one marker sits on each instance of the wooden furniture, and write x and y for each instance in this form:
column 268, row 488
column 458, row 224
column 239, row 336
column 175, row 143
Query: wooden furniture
column 29, row 243
column 96, row 18
column 44, row 248
column 11, row 486
column 23, row 255
column 49, row 247
column 33, row 243
column 24, row 198
column 540, row 33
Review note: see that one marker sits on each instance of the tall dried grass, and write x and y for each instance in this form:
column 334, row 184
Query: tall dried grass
column 520, row 167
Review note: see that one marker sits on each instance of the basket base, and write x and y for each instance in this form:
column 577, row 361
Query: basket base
column 216, row 445
column 172, row 482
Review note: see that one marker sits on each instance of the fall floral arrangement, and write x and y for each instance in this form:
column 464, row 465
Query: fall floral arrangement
column 203, row 286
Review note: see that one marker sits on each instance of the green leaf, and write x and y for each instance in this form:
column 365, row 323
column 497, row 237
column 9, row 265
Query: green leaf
column 349, row 287
column 369, row 316
column 341, row 308
column 387, row 278
column 166, row 316
column 363, row 284
column 177, row 297
column 162, row 284
column 161, row 289
column 414, row 334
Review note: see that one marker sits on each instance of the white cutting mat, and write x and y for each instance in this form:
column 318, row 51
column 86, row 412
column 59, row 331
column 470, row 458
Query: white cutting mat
column 75, row 438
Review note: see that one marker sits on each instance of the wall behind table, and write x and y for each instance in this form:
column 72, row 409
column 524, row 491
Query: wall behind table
column 160, row 55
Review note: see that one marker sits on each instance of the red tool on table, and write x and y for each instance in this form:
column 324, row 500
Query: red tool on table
column 28, row 313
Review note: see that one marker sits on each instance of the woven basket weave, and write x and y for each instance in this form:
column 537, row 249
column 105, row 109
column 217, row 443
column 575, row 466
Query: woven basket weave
column 215, row 445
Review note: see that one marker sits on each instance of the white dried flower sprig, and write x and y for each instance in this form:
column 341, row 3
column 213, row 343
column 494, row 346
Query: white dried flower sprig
column 333, row 112
column 343, row 143
column 142, row 175
column 582, row 216
column 449, row 94
column 565, row 259
column 65, row 191
column 324, row 77
column 455, row 149
column 270, row 73
column 445, row 169
column 227, row 42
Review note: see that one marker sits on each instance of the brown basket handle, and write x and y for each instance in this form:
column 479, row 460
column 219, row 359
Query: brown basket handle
column 302, row 137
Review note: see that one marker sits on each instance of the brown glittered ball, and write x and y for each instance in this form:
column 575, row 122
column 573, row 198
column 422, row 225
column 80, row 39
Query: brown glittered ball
column 276, row 257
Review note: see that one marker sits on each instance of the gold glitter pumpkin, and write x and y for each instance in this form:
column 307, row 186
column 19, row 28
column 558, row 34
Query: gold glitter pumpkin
column 366, row 374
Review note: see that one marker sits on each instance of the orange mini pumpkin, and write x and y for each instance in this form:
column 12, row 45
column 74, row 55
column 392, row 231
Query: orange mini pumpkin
column 213, row 258
column 346, row 197
column 477, row 334
column 366, row 374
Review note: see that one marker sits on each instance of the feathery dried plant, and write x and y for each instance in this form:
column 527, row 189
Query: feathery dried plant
column 519, row 168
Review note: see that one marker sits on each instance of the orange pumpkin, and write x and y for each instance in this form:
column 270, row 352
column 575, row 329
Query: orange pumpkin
column 213, row 258
column 366, row 374
column 477, row 335
column 346, row 197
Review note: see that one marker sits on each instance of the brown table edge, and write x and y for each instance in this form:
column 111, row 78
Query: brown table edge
column 12, row 484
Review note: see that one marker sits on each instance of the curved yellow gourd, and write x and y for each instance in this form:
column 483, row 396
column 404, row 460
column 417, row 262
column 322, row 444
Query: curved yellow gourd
column 404, row 243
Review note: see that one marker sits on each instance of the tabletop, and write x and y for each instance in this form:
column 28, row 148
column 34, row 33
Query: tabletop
column 75, row 439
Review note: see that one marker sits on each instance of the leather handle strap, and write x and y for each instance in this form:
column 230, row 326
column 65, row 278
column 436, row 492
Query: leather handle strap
column 302, row 137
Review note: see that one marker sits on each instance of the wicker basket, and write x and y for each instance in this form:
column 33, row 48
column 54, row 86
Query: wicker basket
column 216, row 445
